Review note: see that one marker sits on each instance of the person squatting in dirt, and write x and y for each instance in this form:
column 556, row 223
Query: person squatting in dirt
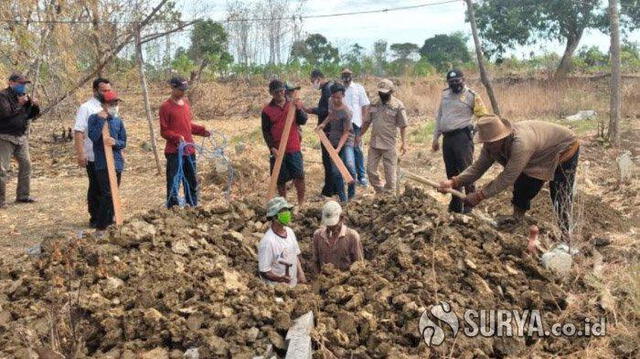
column 84, row 147
column 176, row 127
column 17, row 109
column 454, row 119
column 386, row 114
column 274, row 117
column 319, row 82
column 531, row 152
column 334, row 242
column 356, row 99
column 342, row 138
column 118, row 141
column 278, row 250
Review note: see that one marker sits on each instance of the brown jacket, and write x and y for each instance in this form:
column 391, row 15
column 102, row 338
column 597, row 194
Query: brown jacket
column 14, row 118
column 534, row 149
column 346, row 250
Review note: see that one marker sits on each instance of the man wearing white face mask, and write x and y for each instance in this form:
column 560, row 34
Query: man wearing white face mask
column 118, row 141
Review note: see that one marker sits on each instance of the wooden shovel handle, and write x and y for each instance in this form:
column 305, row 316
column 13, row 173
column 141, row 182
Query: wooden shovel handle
column 431, row 183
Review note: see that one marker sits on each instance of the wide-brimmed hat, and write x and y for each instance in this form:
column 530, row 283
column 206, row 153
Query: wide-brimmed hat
column 385, row 86
column 277, row 204
column 331, row 213
column 492, row 128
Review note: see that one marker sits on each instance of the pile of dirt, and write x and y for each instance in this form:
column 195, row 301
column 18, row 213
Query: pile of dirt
column 171, row 281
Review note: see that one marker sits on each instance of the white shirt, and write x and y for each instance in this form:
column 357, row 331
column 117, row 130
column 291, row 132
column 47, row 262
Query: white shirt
column 273, row 249
column 82, row 122
column 356, row 97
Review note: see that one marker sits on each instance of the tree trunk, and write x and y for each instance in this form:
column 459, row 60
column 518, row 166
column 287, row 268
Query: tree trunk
column 484, row 76
column 565, row 63
column 145, row 95
column 614, row 119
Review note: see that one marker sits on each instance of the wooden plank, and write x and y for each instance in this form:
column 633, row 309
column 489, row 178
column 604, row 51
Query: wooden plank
column 284, row 139
column 431, row 183
column 113, row 179
column 335, row 157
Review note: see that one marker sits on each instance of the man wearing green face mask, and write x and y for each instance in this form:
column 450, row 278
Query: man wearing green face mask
column 278, row 251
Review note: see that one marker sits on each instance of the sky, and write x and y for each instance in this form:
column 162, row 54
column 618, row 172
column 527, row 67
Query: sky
column 415, row 25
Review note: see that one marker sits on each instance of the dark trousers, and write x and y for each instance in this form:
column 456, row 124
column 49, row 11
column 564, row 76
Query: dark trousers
column 359, row 158
column 457, row 151
column 104, row 216
column 93, row 193
column 328, row 189
column 561, row 189
column 189, row 181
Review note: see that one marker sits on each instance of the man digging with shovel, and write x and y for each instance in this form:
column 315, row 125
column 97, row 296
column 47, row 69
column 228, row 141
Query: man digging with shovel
column 532, row 153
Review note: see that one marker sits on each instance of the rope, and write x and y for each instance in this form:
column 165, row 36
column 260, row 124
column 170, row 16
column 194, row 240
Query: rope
column 210, row 149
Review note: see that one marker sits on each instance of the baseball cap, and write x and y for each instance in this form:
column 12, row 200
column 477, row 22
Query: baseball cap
column 454, row 74
column 385, row 86
column 331, row 212
column 346, row 71
column 277, row 204
column 276, row 85
column 291, row 87
column 179, row 83
column 18, row 77
column 109, row 97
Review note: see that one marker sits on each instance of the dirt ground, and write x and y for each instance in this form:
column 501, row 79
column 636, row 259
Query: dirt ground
column 606, row 211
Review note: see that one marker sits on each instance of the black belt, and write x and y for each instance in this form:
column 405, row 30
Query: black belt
column 458, row 130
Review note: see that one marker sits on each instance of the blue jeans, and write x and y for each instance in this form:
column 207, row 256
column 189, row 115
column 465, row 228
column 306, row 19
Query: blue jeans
column 347, row 156
column 359, row 158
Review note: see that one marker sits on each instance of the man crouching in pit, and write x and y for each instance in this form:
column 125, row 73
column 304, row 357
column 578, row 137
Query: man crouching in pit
column 278, row 251
column 334, row 242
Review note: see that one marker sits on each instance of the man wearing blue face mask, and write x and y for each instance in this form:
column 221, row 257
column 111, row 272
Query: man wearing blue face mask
column 17, row 109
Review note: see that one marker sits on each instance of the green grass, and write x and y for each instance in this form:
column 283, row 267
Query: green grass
column 422, row 132
column 251, row 137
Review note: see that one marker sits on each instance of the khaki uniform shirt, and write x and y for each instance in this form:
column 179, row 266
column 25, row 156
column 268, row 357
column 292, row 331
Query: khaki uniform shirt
column 456, row 111
column 534, row 149
column 385, row 120
column 346, row 249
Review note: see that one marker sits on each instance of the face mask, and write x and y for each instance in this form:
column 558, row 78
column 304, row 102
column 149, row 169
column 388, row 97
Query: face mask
column 20, row 89
column 384, row 97
column 346, row 79
column 284, row 217
column 456, row 87
column 316, row 84
column 113, row 111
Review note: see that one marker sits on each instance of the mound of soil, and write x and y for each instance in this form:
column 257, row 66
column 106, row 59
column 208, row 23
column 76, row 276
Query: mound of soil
column 170, row 281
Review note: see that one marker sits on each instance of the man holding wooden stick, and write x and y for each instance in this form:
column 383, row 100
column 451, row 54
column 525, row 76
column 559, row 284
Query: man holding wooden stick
column 274, row 116
column 117, row 140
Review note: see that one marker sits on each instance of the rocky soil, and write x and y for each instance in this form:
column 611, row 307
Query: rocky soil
column 170, row 282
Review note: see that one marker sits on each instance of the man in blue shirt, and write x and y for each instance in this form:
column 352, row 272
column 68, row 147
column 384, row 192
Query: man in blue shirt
column 118, row 141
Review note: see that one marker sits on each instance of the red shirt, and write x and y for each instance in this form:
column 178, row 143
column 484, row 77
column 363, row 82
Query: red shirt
column 274, row 118
column 175, row 121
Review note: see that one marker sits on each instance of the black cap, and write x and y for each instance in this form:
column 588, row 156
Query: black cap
column 276, row 85
column 336, row 87
column 18, row 77
column 317, row 74
column 179, row 83
column 454, row 74
column 291, row 87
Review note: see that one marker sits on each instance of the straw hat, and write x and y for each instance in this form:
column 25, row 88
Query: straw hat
column 492, row 128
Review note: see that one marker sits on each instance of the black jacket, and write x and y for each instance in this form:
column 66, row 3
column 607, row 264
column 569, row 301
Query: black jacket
column 322, row 111
column 14, row 118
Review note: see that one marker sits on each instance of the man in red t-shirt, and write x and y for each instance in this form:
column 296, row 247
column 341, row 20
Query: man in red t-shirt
column 274, row 117
column 176, row 127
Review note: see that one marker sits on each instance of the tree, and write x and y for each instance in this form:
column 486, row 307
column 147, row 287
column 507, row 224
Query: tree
column 505, row 24
column 380, row 56
column 209, row 42
column 614, row 107
column 404, row 51
column 314, row 50
column 630, row 14
column 445, row 51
